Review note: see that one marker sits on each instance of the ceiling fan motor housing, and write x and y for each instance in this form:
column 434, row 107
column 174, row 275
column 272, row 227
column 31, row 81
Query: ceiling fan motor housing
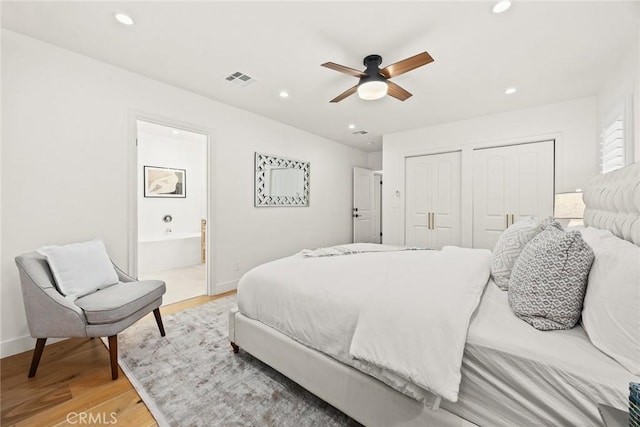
column 372, row 64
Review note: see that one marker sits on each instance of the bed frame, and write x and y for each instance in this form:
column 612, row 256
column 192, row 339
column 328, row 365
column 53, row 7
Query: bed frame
column 362, row 397
column 613, row 203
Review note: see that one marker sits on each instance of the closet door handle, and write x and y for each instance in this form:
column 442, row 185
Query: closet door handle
column 433, row 220
column 513, row 218
column 428, row 220
column 507, row 218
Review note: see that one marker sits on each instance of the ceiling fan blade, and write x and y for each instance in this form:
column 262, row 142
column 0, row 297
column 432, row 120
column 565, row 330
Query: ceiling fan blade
column 344, row 94
column 407, row 64
column 350, row 71
column 397, row 92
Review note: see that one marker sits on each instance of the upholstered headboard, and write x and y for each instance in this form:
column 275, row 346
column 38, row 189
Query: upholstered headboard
column 613, row 203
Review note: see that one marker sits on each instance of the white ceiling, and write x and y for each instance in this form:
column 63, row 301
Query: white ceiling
column 550, row 51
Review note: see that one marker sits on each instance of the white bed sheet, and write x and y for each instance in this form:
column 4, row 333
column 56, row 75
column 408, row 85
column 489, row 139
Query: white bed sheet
column 512, row 374
column 533, row 377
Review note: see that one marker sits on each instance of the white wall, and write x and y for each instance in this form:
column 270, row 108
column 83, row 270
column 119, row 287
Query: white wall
column 375, row 160
column 621, row 95
column 66, row 130
column 572, row 124
column 174, row 152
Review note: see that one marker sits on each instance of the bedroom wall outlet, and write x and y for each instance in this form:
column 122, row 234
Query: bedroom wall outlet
column 236, row 266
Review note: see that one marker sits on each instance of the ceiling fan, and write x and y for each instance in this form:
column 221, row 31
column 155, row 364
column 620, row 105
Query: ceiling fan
column 374, row 82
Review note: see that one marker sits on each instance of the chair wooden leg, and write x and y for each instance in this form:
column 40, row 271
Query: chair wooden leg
column 37, row 354
column 113, row 353
column 156, row 313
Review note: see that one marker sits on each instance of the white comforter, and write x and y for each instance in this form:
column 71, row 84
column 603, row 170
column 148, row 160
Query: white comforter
column 318, row 301
column 419, row 332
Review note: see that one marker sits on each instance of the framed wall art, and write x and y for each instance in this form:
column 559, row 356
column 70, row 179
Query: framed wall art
column 165, row 182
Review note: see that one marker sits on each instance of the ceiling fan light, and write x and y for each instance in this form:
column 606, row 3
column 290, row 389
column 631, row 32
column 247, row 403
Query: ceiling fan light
column 372, row 90
column 501, row 6
column 124, row 19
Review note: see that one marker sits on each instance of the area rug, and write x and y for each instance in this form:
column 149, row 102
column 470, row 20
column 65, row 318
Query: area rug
column 192, row 378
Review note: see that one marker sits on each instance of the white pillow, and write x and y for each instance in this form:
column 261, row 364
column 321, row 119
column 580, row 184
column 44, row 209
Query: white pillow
column 611, row 311
column 510, row 245
column 80, row 268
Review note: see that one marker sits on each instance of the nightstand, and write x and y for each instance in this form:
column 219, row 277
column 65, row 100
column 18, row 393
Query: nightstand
column 613, row 417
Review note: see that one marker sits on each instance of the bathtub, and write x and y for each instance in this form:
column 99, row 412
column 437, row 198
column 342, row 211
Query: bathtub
column 168, row 252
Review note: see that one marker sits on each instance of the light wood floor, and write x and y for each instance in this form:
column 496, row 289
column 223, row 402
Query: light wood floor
column 74, row 381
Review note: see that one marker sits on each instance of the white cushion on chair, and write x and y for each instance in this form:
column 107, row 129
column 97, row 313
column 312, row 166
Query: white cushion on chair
column 80, row 268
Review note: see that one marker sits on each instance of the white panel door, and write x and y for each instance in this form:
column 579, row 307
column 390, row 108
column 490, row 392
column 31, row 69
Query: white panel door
column 534, row 184
column 492, row 171
column 432, row 210
column 510, row 182
column 363, row 206
column 446, row 200
column 418, row 200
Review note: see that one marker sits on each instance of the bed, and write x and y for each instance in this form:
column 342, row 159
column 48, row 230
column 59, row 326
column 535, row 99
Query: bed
column 300, row 316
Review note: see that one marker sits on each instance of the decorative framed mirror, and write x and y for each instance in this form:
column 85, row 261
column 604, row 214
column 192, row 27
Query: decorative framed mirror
column 281, row 181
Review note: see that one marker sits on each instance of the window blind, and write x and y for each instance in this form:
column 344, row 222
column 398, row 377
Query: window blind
column 612, row 146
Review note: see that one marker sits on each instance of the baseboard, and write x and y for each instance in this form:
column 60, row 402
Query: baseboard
column 21, row 344
column 225, row 287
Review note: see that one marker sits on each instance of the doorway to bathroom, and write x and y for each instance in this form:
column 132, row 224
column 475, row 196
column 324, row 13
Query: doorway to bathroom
column 172, row 203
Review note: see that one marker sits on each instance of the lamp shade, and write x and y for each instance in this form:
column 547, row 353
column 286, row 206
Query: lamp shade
column 372, row 89
column 568, row 206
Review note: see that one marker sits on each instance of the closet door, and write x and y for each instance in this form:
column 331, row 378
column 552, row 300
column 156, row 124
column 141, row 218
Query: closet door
column 418, row 186
column 509, row 183
column 534, row 183
column 432, row 209
column 446, row 200
column 492, row 190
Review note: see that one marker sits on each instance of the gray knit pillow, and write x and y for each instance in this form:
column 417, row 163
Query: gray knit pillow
column 549, row 279
column 508, row 248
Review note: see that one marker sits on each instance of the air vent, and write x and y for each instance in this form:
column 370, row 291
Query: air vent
column 240, row 79
column 360, row 132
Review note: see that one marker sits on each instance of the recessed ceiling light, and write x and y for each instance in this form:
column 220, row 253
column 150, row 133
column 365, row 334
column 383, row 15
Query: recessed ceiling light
column 284, row 94
column 123, row 19
column 352, row 126
column 175, row 132
column 370, row 142
column 510, row 90
column 501, row 6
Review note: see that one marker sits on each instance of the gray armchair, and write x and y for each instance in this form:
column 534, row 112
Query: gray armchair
column 104, row 313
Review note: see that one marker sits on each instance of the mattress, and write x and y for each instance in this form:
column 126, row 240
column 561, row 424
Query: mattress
column 531, row 377
column 512, row 374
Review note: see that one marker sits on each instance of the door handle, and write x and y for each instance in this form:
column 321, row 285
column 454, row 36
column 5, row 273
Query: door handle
column 513, row 218
column 507, row 218
column 355, row 215
column 433, row 220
